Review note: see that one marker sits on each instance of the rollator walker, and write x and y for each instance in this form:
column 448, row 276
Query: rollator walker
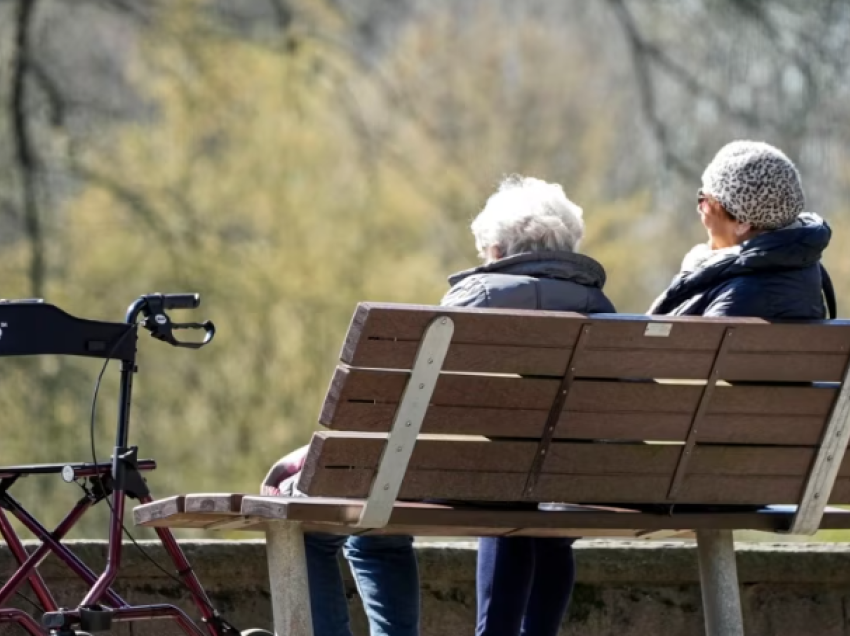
column 32, row 327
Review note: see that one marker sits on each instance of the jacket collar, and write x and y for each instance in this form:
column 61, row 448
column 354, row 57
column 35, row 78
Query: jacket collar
column 577, row 268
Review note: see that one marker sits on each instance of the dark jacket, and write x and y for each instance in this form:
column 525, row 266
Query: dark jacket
column 773, row 275
column 555, row 281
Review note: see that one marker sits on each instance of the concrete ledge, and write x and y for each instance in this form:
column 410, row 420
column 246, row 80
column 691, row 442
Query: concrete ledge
column 624, row 588
column 607, row 562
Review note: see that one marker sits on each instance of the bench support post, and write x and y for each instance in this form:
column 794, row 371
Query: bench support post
column 407, row 422
column 290, row 593
column 824, row 470
column 721, row 597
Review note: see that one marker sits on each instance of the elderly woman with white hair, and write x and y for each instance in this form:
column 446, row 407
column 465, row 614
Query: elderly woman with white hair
column 528, row 235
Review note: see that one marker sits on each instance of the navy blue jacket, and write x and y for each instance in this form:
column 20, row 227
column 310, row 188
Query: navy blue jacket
column 554, row 281
column 773, row 275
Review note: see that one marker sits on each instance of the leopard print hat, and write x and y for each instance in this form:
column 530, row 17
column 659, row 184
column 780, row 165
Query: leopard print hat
column 756, row 183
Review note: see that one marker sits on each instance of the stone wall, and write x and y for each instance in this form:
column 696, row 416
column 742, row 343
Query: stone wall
column 624, row 589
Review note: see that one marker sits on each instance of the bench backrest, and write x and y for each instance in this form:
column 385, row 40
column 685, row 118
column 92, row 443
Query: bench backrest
column 547, row 406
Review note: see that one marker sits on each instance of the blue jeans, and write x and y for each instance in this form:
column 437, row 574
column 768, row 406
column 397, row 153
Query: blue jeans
column 387, row 578
column 524, row 585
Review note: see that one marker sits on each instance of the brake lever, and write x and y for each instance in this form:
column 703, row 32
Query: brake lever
column 161, row 328
column 207, row 326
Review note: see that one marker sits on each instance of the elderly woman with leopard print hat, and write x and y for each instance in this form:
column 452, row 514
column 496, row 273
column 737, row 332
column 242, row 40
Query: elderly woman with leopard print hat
column 763, row 253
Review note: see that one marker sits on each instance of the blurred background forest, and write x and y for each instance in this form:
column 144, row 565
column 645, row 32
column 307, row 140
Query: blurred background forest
column 288, row 158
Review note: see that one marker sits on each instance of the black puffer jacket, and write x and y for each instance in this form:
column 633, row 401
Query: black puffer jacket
column 773, row 275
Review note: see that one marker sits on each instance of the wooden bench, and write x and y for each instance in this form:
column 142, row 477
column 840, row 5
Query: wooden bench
column 649, row 426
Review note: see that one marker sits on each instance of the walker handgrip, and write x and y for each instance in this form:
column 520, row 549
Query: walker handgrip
column 181, row 301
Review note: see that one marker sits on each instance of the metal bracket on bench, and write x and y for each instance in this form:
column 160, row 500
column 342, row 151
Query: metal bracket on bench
column 707, row 393
column 555, row 412
column 827, row 462
column 407, row 423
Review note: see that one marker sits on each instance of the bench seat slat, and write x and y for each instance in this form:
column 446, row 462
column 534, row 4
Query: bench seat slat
column 331, row 515
column 329, row 510
column 213, row 502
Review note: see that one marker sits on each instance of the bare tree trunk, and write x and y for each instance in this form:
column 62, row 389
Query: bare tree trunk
column 24, row 148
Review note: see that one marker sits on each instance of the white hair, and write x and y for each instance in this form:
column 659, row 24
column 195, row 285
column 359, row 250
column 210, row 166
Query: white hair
column 528, row 215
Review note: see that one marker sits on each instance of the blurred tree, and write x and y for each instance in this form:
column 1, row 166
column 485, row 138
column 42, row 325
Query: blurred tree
column 288, row 159
column 247, row 188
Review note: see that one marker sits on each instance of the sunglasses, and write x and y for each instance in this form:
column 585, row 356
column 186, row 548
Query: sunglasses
column 702, row 196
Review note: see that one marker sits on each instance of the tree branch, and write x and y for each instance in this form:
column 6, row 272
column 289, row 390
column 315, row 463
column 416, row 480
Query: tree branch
column 58, row 105
column 643, row 73
column 25, row 153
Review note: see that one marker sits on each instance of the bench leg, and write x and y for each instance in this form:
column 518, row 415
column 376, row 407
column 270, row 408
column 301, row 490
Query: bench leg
column 721, row 597
column 288, row 578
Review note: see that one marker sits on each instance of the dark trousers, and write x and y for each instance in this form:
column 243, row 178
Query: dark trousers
column 524, row 585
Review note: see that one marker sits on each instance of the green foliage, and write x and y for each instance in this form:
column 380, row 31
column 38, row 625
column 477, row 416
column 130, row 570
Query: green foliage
column 248, row 188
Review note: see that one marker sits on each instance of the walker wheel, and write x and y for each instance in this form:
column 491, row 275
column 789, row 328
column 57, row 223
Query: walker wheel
column 257, row 632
